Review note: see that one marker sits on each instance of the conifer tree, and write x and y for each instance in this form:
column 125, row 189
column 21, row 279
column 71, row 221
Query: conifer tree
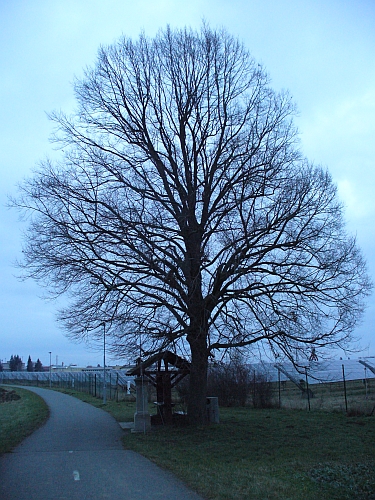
column 30, row 365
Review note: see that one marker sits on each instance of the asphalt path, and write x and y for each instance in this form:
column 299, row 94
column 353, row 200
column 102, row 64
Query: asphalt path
column 78, row 454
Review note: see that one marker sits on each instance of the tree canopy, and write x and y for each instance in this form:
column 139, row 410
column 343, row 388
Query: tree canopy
column 38, row 366
column 183, row 213
column 15, row 363
column 30, row 365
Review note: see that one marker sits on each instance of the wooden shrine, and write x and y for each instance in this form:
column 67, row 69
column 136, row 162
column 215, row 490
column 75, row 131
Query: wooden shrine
column 164, row 370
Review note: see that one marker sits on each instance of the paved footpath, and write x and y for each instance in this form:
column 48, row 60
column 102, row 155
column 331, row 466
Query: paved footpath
column 78, row 454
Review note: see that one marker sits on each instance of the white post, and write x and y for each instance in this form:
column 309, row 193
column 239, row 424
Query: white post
column 142, row 418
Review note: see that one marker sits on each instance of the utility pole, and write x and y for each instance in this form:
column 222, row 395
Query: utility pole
column 104, row 372
column 50, row 369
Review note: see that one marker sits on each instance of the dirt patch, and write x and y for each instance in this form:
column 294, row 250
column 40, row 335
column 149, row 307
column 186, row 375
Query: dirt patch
column 6, row 396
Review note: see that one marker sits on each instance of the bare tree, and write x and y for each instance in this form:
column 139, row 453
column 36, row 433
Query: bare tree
column 182, row 213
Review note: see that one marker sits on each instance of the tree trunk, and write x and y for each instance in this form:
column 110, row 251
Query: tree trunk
column 197, row 412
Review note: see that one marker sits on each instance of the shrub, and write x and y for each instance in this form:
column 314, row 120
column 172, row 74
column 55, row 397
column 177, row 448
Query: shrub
column 230, row 382
column 235, row 384
column 261, row 391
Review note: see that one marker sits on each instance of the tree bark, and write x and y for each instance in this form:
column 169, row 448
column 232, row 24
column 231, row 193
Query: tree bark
column 197, row 412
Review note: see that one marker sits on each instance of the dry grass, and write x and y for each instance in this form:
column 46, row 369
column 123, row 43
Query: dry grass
column 329, row 396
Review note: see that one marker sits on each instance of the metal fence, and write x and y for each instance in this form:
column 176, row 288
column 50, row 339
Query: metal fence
column 332, row 386
column 337, row 385
column 118, row 386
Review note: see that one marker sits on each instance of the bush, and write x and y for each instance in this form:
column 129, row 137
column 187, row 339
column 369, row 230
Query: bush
column 235, row 384
column 230, row 382
column 261, row 391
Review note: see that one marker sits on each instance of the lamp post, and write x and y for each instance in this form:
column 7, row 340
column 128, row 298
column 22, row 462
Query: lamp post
column 50, row 369
column 104, row 372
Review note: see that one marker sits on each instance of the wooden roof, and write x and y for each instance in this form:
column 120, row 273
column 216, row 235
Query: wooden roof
column 168, row 357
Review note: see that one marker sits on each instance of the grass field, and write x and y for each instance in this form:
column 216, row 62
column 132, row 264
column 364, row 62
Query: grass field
column 269, row 454
column 262, row 454
column 20, row 418
column 266, row 454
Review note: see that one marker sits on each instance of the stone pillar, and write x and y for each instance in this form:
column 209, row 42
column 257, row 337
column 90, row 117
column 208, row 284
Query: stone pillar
column 213, row 410
column 142, row 418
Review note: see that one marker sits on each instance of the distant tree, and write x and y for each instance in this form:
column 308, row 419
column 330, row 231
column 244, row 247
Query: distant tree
column 1, row 367
column 183, row 213
column 15, row 363
column 30, row 365
column 38, row 366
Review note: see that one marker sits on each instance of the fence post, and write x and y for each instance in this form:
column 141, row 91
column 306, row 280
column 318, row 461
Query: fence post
column 346, row 399
column 279, row 380
column 254, row 388
column 307, row 388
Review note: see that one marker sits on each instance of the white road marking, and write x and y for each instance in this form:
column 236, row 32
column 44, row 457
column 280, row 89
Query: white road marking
column 76, row 475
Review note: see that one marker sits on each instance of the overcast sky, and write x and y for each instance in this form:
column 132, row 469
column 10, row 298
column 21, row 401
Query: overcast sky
column 322, row 51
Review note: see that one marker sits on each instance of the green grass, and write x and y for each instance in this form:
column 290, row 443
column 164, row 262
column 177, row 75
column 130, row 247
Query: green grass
column 263, row 454
column 269, row 454
column 20, row 418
